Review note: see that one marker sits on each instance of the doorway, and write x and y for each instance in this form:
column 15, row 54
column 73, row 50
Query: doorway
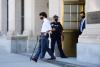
column 71, row 25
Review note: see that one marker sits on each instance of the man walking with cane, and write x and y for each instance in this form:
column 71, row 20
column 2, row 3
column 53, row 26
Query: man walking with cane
column 44, row 42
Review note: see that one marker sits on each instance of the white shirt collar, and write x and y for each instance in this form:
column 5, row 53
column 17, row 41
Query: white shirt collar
column 45, row 19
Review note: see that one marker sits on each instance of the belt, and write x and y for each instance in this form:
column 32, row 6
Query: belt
column 43, row 34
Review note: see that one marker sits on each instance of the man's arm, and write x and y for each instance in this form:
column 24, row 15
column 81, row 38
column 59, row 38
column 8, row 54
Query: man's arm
column 62, row 34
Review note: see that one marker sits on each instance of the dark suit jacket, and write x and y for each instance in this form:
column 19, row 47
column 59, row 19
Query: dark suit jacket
column 82, row 25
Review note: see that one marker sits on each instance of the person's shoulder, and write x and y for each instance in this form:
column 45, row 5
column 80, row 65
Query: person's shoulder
column 59, row 23
column 52, row 22
column 46, row 20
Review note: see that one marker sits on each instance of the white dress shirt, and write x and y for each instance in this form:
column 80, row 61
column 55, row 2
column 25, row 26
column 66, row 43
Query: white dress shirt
column 46, row 25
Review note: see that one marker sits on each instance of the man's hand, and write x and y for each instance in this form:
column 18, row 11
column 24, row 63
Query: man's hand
column 53, row 29
column 45, row 34
column 62, row 38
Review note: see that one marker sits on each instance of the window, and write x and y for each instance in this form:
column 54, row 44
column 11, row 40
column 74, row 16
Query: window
column 71, row 15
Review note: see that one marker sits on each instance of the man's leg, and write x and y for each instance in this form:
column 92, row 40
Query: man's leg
column 50, row 53
column 43, row 47
column 60, row 48
column 49, row 50
column 53, row 44
column 35, row 58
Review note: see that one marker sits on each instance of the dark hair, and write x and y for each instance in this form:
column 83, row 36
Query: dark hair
column 43, row 14
column 56, row 18
column 82, row 12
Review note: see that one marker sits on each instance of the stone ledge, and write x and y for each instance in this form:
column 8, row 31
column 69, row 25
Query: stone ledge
column 89, row 38
column 18, row 37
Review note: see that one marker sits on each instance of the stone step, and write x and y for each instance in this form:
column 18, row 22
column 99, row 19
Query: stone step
column 63, row 64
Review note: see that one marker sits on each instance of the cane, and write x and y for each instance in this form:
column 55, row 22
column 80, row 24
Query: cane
column 34, row 48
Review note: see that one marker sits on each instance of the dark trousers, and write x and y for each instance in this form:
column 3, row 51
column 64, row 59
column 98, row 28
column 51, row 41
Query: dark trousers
column 43, row 47
column 59, row 44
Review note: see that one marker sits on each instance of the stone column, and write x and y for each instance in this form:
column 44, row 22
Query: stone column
column 88, row 46
column 14, row 17
column 29, row 17
column 32, row 20
column 3, row 17
column 55, row 8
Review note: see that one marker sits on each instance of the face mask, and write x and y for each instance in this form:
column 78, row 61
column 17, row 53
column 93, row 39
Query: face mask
column 83, row 16
column 41, row 18
column 56, row 20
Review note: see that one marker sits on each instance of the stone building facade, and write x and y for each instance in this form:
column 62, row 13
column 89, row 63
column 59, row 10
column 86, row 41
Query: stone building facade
column 20, row 25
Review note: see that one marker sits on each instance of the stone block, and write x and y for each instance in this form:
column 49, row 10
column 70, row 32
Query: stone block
column 88, row 52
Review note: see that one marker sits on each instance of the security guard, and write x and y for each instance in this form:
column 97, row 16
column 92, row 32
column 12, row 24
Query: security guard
column 57, row 30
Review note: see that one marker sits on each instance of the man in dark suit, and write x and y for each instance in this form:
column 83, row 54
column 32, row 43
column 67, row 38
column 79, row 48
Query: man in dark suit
column 82, row 22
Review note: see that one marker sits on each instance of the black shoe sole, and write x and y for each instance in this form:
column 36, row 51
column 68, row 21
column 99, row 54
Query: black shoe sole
column 35, row 60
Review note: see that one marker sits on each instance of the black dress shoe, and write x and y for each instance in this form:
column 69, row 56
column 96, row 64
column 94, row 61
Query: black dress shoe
column 64, row 57
column 51, row 59
column 34, row 59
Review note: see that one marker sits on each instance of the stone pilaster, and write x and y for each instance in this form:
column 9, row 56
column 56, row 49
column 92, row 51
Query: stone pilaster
column 3, row 17
column 29, row 17
column 14, row 17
